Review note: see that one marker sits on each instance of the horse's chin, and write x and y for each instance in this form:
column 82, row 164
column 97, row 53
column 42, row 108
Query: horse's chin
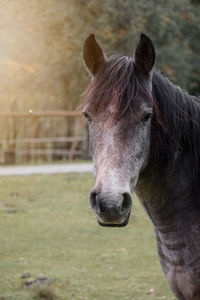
column 112, row 223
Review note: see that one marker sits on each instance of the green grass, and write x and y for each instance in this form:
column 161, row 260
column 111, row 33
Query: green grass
column 48, row 229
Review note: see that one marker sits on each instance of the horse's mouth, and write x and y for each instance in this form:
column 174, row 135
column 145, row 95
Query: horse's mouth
column 113, row 223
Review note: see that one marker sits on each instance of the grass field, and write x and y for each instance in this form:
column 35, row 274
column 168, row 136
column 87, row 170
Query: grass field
column 49, row 231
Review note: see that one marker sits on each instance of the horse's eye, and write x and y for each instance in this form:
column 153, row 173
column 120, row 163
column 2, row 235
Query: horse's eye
column 87, row 116
column 146, row 117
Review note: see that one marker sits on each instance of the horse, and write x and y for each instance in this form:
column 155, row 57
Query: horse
column 145, row 137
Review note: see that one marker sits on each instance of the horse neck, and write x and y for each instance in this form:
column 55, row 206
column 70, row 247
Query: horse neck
column 169, row 187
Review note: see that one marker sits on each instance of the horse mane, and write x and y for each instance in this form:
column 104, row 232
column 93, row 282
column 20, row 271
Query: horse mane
column 178, row 132
column 175, row 127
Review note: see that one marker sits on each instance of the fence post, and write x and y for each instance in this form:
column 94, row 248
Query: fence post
column 77, row 130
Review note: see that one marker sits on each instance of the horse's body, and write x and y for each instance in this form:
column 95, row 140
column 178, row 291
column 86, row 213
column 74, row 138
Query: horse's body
column 172, row 201
column 145, row 136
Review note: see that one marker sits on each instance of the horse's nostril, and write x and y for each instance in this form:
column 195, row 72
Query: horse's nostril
column 102, row 207
column 127, row 202
column 97, row 203
column 93, row 199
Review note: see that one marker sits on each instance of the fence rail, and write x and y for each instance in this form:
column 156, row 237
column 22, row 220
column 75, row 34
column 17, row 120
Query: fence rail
column 43, row 140
column 30, row 113
column 20, row 141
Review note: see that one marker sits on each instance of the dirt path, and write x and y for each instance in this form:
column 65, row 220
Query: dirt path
column 46, row 169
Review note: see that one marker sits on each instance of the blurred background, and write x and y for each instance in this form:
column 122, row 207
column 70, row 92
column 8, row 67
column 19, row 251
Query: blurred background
column 42, row 73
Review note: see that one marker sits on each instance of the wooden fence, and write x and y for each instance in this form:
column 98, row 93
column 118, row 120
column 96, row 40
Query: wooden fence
column 26, row 136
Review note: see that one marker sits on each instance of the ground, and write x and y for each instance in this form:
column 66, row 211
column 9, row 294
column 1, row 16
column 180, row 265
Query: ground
column 50, row 235
column 59, row 168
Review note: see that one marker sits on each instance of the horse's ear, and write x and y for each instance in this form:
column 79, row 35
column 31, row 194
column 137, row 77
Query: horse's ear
column 145, row 55
column 93, row 55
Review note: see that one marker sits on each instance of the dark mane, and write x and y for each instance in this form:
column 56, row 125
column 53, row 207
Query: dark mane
column 176, row 122
column 180, row 129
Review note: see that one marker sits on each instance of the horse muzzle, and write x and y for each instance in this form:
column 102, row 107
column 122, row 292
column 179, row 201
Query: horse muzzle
column 111, row 210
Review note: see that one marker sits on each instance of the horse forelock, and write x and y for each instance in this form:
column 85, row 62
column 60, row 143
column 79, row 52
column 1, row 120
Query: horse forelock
column 116, row 89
